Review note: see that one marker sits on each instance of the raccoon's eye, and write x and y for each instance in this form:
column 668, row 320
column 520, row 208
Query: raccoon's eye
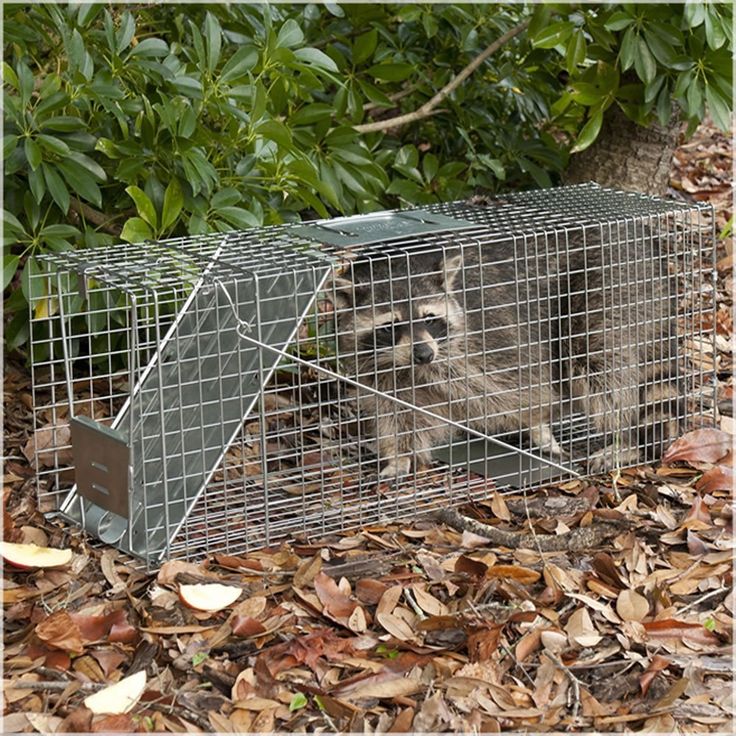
column 431, row 319
column 386, row 329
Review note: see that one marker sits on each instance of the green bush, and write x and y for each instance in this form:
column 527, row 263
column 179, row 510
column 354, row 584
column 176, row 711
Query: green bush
column 168, row 120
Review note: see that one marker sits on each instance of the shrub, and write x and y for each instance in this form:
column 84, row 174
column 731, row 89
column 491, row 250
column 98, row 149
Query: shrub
column 168, row 120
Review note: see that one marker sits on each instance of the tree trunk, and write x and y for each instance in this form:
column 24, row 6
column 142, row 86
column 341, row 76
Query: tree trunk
column 627, row 156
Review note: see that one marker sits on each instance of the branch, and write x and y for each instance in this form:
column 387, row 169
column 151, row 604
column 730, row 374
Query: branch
column 426, row 109
column 100, row 219
column 577, row 539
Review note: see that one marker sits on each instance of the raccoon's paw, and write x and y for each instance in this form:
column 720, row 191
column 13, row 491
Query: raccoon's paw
column 543, row 438
column 610, row 457
column 394, row 470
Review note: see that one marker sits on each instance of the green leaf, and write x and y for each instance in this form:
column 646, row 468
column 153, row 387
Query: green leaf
column 714, row 34
column 59, row 230
column 225, row 198
column 652, row 89
column 57, row 188
column 694, row 98
column 75, row 49
column 618, row 21
column 87, row 13
column 275, row 131
column 188, row 86
column 136, row 230
column 289, row 34
column 391, row 72
column 662, row 50
column 239, row 64
column 589, row 132
column 150, row 48
column 9, row 144
column 213, row 36
column 89, row 164
column 576, row 50
column 311, row 114
column 54, row 102
column 644, row 63
column 198, row 658
column 238, row 217
column 53, row 144
column 10, row 266
column 694, row 13
column 317, row 58
column 173, row 203
column 36, row 184
column 33, row 153
column 718, row 108
column 125, row 33
column 585, row 93
column 260, row 100
column 12, row 227
column 31, row 285
column 9, row 76
column 628, row 50
column 144, row 205
column 298, row 701
column 430, row 166
column 364, row 46
column 553, row 34
column 63, row 124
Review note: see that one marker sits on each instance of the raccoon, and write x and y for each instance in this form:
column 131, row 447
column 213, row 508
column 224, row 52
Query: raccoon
column 481, row 337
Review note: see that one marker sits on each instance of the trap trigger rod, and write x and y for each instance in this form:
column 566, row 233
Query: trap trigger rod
column 244, row 327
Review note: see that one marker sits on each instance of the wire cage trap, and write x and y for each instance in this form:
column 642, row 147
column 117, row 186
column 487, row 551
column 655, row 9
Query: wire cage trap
column 223, row 392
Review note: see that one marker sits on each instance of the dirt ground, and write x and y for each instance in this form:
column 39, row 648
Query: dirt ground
column 416, row 627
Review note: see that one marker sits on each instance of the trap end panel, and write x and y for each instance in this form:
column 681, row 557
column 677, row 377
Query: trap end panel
column 102, row 461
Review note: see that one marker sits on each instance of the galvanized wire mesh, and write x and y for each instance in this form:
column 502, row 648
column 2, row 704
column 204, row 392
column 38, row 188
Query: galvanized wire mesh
column 295, row 380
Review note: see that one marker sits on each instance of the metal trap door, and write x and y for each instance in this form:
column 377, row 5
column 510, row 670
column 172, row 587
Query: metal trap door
column 191, row 402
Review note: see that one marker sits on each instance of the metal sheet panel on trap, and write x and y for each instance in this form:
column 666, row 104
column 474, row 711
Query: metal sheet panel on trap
column 191, row 400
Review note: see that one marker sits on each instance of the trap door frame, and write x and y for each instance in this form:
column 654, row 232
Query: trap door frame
column 157, row 509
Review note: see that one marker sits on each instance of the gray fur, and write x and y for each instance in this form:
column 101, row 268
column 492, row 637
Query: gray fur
column 525, row 337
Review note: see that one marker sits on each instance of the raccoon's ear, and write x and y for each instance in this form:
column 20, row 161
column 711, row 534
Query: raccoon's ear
column 451, row 266
column 343, row 292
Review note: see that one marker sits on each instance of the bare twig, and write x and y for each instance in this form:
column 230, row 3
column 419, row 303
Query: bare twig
column 573, row 681
column 702, row 598
column 177, row 709
column 577, row 539
column 426, row 109
column 52, row 685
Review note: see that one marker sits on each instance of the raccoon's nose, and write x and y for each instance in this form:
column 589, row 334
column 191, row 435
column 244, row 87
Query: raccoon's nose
column 423, row 353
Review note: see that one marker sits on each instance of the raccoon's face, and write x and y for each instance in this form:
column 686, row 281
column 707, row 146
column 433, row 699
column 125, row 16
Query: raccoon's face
column 396, row 314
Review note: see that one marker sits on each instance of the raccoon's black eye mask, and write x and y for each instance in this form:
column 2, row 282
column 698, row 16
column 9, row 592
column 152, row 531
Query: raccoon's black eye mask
column 387, row 334
column 436, row 326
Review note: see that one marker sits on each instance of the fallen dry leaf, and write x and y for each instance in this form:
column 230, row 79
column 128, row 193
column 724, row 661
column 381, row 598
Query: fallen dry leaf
column 632, row 606
column 657, row 664
column 59, row 630
column 381, row 686
column 580, row 629
column 699, row 446
column 718, row 478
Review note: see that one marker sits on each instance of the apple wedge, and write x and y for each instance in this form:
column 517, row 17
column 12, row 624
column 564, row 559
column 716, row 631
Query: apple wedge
column 31, row 556
column 118, row 698
column 210, row 597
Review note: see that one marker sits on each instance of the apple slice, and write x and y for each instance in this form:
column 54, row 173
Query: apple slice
column 209, row 597
column 29, row 556
column 118, row 698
